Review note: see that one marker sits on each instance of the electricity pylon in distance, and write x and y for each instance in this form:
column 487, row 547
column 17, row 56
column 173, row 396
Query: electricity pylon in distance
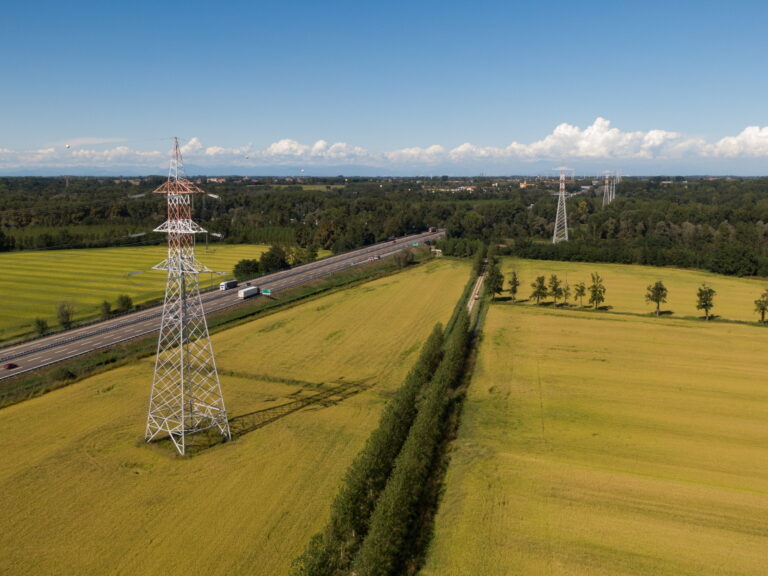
column 609, row 188
column 561, row 220
column 186, row 395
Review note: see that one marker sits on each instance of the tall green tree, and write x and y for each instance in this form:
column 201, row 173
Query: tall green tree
column 106, row 309
column 705, row 299
column 514, row 284
column 566, row 293
column 580, row 292
column 65, row 314
column 124, row 303
column 41, row 326
column 761, row 306
column 539, row 289
column 495, row 280
column 555, row 288
column 246, row 268
column 273, row 259
column 656, row 293
column 596, row 290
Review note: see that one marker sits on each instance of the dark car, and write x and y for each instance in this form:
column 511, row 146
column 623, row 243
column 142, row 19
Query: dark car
column 10, row 366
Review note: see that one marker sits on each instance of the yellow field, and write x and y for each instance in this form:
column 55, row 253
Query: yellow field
column 626, row 286
column 82, row 493
column 599, row 444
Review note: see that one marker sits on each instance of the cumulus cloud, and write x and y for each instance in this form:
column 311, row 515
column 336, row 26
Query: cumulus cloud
column 288, row 150
column 751, row 142
column 191, row 146
column 599, row 140
column 566, row 142
column 286, row 147
column 416, row 155
column 342, row 150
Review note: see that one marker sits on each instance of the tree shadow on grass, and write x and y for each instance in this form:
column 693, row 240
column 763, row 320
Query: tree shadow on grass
column 244, row 423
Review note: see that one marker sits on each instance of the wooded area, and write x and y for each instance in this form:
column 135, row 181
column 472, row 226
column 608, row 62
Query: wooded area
column 715, row 224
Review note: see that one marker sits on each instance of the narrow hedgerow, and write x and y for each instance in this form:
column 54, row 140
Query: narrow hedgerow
column 330, row 553
column 387, row 546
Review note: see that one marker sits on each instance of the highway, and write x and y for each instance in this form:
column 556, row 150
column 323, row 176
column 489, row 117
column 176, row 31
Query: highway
column 61, row 346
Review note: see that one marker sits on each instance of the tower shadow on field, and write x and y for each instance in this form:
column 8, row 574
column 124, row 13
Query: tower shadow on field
column 251, row 421
column 245, row 423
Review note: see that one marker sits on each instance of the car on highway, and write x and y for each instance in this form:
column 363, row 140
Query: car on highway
column 10, row 366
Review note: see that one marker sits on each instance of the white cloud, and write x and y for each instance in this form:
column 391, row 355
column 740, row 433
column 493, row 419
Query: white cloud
column 342, row 150
column 118, row 154
column 751, row 142
column 468, row 150
column 319, row 148
column 566, row 143
column 416, row 155
column 599, row 140
column 288, row 150
column 286, row 147
column 192, row 146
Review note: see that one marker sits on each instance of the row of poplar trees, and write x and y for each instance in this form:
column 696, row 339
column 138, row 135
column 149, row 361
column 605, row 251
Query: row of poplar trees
column 377, row 519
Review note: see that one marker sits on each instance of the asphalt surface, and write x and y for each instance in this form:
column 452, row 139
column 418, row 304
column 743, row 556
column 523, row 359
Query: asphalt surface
column 62, row 346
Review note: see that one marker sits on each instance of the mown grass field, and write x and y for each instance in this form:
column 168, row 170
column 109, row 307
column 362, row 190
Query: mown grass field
column 595, row 443
column 626, row 287
column 82, row 494
column 32, row 284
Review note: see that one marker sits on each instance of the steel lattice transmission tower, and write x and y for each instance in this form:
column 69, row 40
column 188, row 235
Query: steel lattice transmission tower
column 609, row 188
column 561, row 220
column 186, row 394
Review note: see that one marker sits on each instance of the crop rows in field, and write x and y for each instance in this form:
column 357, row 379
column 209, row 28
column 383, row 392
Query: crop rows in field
column 32, row 284
column 84, row 495
column 601, row 443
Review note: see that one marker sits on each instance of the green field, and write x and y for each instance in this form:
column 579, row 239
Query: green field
column 82, row 493
column 626, row 287
column 33, row 283
column 595, row 443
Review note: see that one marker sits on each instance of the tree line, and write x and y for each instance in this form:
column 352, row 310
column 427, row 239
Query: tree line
column 560, row 292
column 377, row 519
column 714, row 224
column 65, row 313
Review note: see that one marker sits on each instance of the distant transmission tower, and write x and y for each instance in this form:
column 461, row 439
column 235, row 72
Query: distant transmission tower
column 609, row 188
column 561, row 220
column 186, row 394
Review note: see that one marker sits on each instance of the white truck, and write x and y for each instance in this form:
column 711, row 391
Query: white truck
column 226, row 285
column 244, row 293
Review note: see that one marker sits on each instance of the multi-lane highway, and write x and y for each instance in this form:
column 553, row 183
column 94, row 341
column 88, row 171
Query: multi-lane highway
column 65, row 345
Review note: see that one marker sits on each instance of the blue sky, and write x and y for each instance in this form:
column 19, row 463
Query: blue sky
column 419, row 87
